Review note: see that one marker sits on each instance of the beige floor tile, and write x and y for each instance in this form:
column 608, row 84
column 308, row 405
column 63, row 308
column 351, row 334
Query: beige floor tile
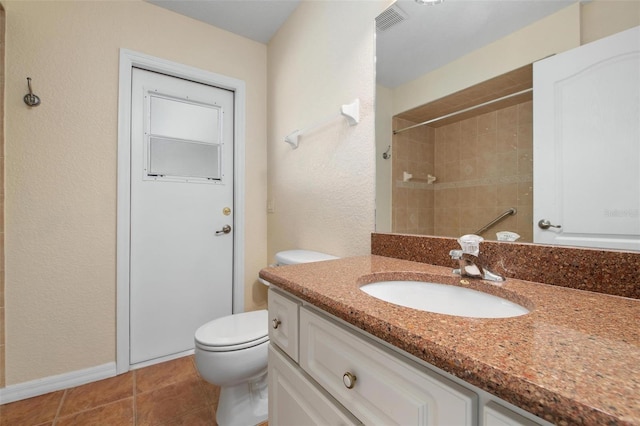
column 32, row 411
column 170, row 402
column 98, row 393
column 118, row 413
column 202, row 417
column 166, row 373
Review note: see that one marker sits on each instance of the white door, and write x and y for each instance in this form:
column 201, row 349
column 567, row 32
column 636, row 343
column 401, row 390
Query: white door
column 586, row 108
column 181, row 201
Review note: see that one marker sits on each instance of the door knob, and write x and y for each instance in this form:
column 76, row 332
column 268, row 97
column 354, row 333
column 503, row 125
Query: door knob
column 225, row 230
column 545, row 224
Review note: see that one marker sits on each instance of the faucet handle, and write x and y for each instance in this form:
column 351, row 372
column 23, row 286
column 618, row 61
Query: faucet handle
column 470, row 243
column 456, row 254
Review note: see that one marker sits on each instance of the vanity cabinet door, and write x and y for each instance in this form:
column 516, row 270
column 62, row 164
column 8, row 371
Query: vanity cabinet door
column 294, row 400
column 283, row 323
column 376, row 385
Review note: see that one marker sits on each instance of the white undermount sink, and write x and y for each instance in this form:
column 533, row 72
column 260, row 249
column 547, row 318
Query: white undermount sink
column 444, row 299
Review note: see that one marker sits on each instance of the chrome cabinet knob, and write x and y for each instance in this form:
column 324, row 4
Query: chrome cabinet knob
column 275, row 323
column 545, row 224
column 349, row 380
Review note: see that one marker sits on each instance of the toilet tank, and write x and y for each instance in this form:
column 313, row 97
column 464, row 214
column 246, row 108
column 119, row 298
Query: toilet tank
column 293, row 257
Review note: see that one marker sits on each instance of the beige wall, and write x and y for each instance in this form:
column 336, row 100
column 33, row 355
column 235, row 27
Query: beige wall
column 602, row 18
column 2, row 333
column 514, row 51
column 384, row 102
column 323, row 193
column 61, row 168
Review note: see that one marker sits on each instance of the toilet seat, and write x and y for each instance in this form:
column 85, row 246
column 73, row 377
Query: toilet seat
column 234, row 332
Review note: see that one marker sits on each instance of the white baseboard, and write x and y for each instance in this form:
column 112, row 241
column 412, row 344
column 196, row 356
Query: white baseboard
column 37, row 387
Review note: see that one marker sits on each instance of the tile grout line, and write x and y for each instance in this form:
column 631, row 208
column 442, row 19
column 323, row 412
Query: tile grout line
column 135, row 398
column 55, row 418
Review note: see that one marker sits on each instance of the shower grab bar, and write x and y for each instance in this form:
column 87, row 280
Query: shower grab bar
column 453, row 114
column 504, row 214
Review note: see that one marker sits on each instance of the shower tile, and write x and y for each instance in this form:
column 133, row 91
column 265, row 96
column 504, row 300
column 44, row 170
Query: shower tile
column 507, row 117
column 487, row 144
column 468, row 196
column 525, row 162
column 468, row 146
column 2, row 378
column 507, row 194
column 507, row 163
column 452, row 171
column 468, row 169
column 525, row 113
column 469, row 218
column 487, row 196
column 525, row 194
column 487, row 122
column 400, row 198
column 488, row 167
column 525, row 136
column 2, row 328
column 507, row 139
column 413, row 198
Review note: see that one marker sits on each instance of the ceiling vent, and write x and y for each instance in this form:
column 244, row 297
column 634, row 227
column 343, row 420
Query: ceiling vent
column 390, row 17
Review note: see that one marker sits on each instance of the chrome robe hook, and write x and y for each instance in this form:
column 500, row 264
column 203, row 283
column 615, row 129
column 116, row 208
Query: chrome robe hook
column 31, row 99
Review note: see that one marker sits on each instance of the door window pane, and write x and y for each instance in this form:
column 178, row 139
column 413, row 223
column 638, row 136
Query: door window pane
column 170, row 157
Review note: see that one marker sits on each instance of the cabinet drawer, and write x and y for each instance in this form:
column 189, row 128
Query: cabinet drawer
column 283, row 323
column 294, row 400
column 387, row 389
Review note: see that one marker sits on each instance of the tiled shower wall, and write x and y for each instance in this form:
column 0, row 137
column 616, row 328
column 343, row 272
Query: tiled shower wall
column 483, row 166
column 412, row 201
column 2, row 338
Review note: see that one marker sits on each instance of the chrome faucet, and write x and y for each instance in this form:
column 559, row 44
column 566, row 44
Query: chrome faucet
column 470, row 264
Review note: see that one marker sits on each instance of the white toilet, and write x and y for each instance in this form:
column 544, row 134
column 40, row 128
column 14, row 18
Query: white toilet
column 231, row 352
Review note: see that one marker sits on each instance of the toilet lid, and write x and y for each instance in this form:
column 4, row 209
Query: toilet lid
column 245, row 329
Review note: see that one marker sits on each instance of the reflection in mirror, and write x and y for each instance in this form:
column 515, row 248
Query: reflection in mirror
column 471, row 164
column 456, row 174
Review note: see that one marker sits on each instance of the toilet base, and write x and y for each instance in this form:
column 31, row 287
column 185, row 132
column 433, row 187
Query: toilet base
column 244, row 404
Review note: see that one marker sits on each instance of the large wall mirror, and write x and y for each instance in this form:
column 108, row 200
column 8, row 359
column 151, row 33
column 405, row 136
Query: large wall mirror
column 454, row 109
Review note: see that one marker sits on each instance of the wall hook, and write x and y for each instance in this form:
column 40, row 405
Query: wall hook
column 386, row 154
column 31, row 99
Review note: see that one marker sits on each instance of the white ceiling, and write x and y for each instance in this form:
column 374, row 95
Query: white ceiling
column 257, row 20
column 433, row 36
column 429, row 38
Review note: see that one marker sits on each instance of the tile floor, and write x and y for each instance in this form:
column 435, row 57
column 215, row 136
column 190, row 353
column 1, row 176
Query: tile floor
column 170, row 393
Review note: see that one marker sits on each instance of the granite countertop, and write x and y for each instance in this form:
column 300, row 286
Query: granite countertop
column 574, row 359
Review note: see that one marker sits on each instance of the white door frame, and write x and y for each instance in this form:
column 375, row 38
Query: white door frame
column 129, row 60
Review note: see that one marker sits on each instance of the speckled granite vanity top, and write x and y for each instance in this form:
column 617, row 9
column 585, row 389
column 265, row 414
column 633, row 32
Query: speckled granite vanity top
column 574, row 359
